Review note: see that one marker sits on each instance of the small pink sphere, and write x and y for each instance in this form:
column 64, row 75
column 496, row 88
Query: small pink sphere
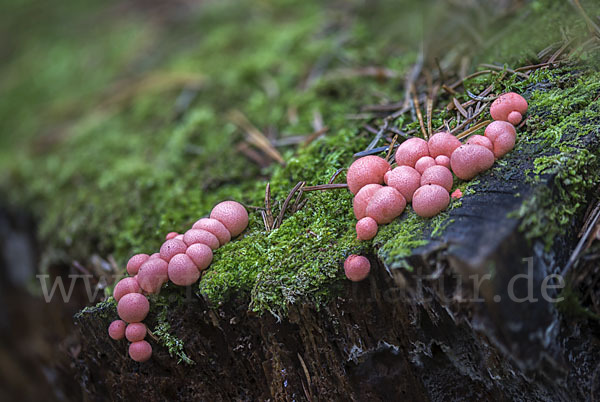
column 514, row 118
column 153, row 274
column 360, row 201
column 367, row 170
column 495, row 128
column 215, row 227
column 194, row 236
column 140, row 351
column 481, row 140
column 410, row 151
column 133, row 307
column 366, row 228
column 507, row 103
column 503, row 144
column 440, row 175
column 356, row 267
column 155, row 255
column 178, row 237
column 385, row 205
column 116, row 329
column 135, row 262
column 126, row 286
column 443, row 143
column 424, row 163
column 200, row 254
column 170, row 248
column 430, row 200
column 182, row 270
column 232, row 215
column 135, row 332
column 442, row 160
column 171, row 235
column 456, row 194
column 470, row 160
column 406, row 180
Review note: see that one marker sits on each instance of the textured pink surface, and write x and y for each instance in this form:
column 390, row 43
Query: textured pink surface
column 514, row 117
column 179, row 237
column 456, row 194
column 443, row 143
column 116, row 329
column 135, row 262
column 385, row 177
column 171, row 235
column 481, row 140
column 200, row 254
column 366, row 228
column 155, row 255
column 495, row 128
column 406, row 180
column 440, row 175
column 215, row 227
column 140, row 351
column 503, row 144
column 135, row 332
column 366, row 170
column 153, row 274
column 133, row 307
column 424, row 163
column 232, row 215
column 171, row 247
column 182, row 270
column 507, row 103
column 430, row 200
column 442, row 160
column 194, row 236
column 356, row 267
column 360, row 201
column 125, row 286
column 385, row 205
column 410, row 151
column 470, row 160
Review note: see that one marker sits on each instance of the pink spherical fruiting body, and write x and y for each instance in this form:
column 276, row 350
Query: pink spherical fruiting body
column 406, row 180
column 133, row 307
column 140, row 351
column 410, row 151
column 443, row 143
column 481, row 140
column 135, row 332
column 356, row 267
column 153, row 274
column 366, row 170
column 424, row 163
column 171, row 235
column 155, row 255
column 430, row 200
column 170, row 248
column 360, row 201
column 456, row 194
column 514, row 118
column 442, row 160
column 385, row 205
column 366, row 228
column 182, row 270
column 200, row 254
column 507, row 103
column 126, row 286
column 503, row 144
column 116, row 329
column 495, row 128
column 232, row 215
column 470, row 160
column 135, row 262
column 215, row 227
column 194, row 236
column 440, row 175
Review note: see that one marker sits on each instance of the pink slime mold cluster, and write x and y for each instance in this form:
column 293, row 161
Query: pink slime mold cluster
column 181, row 260
column 424, row 175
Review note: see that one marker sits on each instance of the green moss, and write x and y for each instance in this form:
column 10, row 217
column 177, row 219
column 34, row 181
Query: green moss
column 173, row 344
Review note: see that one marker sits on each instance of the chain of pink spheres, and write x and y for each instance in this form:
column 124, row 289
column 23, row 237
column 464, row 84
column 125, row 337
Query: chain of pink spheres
column 181, row 260
column 423, row 175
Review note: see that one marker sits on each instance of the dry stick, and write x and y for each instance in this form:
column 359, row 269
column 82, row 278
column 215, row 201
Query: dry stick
column 577, row 252
column 473, row 129
column 475, row 74
column 254, row 134
column 480, row 98
column 556, row 54
column 460, row 108
column 336, row 174
column 430, row 99
column 321, row 187
column 504, row 68
column 418, row 110
column 287, row 201
column 464, row 123
column 534, row 66
column 391, row 148
column 315, row 135
column 268, row 215
column 592, row 26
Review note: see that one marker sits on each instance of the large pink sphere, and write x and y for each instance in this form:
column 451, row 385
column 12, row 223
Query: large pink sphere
column 116, row 329
column 385, row 205
column 443, row 143
column 232, row 215
column 503, row 144
column 470, row 160
column 410, row 151
column 133, row 307
column 135, row 262
column 215, row 227
column 200, row 254
column 366, row 228
column 171, row 247
column 360, row 201
column 153, row 274
column 505, row 104
column 424, row 163
column 367, row 170
column 440, row 175
column 194, row 236
column 430, row 200
column 135, row 332
column 406, row 180
column 481, row 140
column 140, row 351
column 125, row 286
column 356, row 267
column 182, row 270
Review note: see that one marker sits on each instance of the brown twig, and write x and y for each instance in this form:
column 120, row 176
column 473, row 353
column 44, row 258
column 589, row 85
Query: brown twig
column 391, row 148
column 336, row 174
column 460, row 108
column 287, row 201
column 321, row 187
column 418, row 110
column 255, row 136
column 473, row 129
column 267, row 214
column 592, row 26
column 315, row 135
column 504, row 68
